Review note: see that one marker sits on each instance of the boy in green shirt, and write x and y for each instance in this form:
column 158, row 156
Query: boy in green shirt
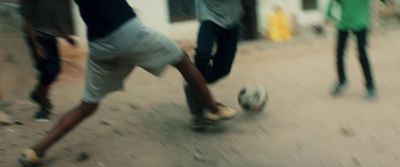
column 355, row 18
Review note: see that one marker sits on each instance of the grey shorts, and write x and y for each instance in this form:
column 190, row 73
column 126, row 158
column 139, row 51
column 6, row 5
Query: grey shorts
column 112, row 58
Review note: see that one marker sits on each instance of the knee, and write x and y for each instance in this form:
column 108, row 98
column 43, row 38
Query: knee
column 203, row 54
column 87, row 109
column 204, row 66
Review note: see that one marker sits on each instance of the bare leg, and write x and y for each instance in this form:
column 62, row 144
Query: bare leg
column 195, row 80
column 66, row 124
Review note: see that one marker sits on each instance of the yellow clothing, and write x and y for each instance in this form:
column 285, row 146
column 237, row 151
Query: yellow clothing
column 279, row 27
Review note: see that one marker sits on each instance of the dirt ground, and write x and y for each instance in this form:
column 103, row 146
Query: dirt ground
column 148, row 123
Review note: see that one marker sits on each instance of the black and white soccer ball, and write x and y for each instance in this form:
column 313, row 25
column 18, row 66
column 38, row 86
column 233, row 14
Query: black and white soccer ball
column 253, row 98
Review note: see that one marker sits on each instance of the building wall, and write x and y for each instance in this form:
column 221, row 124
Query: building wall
column 154, row 13
column 293, row 8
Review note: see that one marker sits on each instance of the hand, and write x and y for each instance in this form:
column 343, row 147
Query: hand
column 70, row 40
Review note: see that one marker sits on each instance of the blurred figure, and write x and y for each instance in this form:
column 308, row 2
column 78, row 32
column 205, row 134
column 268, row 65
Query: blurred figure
column 41, row 29
column 118, row 43
column 219, row 29
column 355, row 18
column 249, row 21
column 279, row 26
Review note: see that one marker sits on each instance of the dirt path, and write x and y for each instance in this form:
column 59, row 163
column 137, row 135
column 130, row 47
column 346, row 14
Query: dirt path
column 147, row 124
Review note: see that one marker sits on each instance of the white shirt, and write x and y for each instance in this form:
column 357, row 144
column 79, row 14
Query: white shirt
column 225, row 13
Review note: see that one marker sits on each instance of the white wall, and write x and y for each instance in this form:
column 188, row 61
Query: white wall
column 154, row 13
column 292, row 7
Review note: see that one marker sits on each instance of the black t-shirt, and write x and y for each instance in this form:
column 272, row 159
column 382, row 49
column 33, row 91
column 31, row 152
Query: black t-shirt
column 104, row 16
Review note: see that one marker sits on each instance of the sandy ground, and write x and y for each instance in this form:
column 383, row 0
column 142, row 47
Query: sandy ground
column 148, row 123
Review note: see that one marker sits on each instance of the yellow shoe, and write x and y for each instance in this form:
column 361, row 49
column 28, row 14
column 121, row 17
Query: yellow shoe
column 224, row 113
column 29, row 158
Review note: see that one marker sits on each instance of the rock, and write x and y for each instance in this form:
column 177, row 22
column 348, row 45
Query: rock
column 5, row 119
column 19, row 123
column 105, row 123
column 118, row 132
column 198, row 155
column 134, row 107
column 347, row 132
column 82, row 157
column 100, row 164
column 356, row 162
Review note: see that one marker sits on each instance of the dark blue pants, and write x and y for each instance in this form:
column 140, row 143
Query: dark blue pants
column 215, row 53
column 49, row 68
column 363, row 55
column 218, row 64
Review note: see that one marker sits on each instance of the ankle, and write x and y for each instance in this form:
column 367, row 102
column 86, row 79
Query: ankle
column 370, row 87
column 38, row 153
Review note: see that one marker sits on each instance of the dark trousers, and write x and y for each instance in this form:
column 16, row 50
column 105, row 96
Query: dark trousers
column 218, row 65
column 215, row 53
column 49, row 67
column 363, row 55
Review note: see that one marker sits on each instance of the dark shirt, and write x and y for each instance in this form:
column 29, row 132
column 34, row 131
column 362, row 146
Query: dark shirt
column 102, row 17
column 42, row 15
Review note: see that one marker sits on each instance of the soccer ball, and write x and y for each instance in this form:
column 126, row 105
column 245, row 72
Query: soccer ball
column 252, row 98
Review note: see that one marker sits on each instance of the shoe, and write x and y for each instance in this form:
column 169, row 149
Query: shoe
column 42, row 116
column 339, row 88
column 200, row 124
column 223, row 113
column 371, row 94
column 29, row 158
column 45, row 104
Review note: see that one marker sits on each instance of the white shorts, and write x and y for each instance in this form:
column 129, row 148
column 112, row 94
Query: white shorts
column 113, row 57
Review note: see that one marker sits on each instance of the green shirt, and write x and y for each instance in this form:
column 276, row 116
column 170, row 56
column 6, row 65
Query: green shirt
column 354, row 14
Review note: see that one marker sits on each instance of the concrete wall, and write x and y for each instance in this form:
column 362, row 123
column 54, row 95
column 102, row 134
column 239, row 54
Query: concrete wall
column 294, row 8
column 154, row 13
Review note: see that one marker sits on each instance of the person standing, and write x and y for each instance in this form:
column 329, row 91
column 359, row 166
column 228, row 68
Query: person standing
column 41, row 28
column 219, row 29
column 355, row 19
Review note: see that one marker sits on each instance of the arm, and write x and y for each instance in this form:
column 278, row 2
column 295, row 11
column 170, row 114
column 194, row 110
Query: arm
column 64, row 34
column 328, row 14
column 62, row 29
